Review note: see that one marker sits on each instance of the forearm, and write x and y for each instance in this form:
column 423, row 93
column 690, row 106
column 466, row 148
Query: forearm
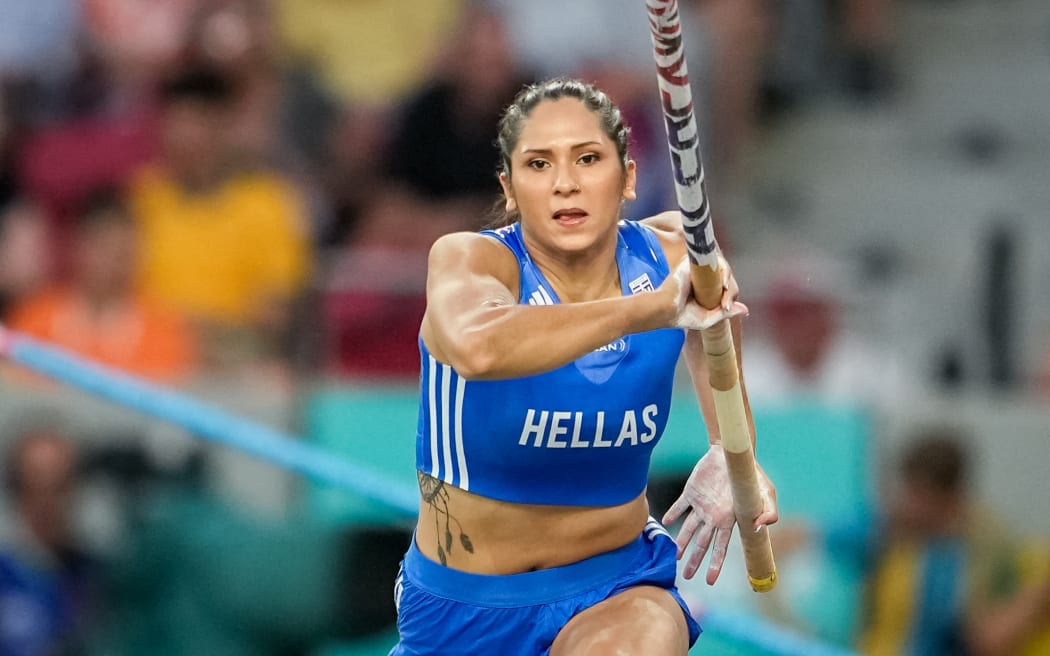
column 520, row 340
column 696, row 362
column 1003, row 629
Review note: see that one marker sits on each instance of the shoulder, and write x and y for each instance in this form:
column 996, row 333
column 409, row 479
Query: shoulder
column 472, row 252
column 467, row 244
column 667, row 226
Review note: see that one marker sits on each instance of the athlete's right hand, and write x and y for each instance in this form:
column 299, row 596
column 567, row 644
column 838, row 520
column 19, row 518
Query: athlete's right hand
column 706, row 504
column 691, row 315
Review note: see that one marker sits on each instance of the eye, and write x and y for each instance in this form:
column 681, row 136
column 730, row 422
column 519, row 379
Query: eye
column 589, row 158
column 537, row 164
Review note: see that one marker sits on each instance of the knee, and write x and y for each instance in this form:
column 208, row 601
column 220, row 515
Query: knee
column 642, row 627
column 660, row 629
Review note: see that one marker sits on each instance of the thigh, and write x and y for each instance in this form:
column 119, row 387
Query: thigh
column 642, row 620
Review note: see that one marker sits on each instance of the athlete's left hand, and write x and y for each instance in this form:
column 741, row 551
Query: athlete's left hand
column 688, row 313
column 707, row 504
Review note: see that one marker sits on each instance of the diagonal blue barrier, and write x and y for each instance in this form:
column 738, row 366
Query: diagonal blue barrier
column 208, row 421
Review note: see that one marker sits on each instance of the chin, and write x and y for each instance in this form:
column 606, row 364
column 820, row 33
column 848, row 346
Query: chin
column 576, row 243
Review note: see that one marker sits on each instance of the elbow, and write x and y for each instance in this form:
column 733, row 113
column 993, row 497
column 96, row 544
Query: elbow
column 476, row 358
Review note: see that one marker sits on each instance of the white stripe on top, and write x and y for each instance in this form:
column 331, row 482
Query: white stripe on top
column 461, row 457
column 446, row 424
column 432, row 394
column 445, row 433
column 541, row 297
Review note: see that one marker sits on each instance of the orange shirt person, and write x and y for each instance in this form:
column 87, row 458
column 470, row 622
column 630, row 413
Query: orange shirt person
column 98, row 313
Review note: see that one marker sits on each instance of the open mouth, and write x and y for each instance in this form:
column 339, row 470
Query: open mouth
column 571, row 216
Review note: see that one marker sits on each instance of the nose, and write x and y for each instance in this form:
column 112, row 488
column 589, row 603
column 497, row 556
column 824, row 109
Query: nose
column 565, row 182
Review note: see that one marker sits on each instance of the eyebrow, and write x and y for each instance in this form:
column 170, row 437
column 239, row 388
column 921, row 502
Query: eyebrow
column 548, row 151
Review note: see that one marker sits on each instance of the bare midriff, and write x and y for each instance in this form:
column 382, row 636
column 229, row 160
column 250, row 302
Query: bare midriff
column 481, row 535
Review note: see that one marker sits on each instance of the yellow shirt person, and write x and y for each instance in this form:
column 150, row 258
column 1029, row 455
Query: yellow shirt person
column 223, row 256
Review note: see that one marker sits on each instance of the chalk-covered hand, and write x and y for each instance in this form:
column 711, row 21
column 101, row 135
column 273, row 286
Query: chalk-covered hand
column 706, row 503
column 689, row 314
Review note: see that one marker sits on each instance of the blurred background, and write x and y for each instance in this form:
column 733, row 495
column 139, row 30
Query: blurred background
column 235, row 198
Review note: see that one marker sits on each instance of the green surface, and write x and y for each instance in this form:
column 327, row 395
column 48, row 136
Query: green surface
column 374, row 428
column 377, row 645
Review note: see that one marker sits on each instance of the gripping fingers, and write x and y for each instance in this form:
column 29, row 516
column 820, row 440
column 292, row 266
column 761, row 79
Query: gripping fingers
column 766, row 518
column 694, row 317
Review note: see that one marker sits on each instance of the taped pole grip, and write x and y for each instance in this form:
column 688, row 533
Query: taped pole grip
column 724, row 377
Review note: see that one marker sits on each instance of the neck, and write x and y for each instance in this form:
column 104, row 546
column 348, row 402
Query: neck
column 576, row 280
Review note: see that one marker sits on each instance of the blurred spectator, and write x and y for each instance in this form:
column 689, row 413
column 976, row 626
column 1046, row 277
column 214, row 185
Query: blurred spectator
column 283, row 115
column 107, row 125
column 355, row 146
column 449, row 120
column 48, row 585
column 38, row 52
column 941, row 574
column 439, row 177
column 803, row 350
column 226, row 246
column 564, row 38
column 372, row 303
column 98, row 313
column 62, row 163
column 818, row 46
column 728, row 42
column 866, row 42
column 372, row 287
column 366, row 51
column 453, row 117
column 8, row 151
column 25, row 258
column 136, row 41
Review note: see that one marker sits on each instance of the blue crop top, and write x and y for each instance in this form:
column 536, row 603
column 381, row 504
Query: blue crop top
column 578, row 435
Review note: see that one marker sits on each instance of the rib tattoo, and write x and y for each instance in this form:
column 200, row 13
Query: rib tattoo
column 436, row 496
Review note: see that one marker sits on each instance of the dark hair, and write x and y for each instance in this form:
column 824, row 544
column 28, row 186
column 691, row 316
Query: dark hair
column 936, row 458
column 514, row 116
column 203, row 84
column 103, row 206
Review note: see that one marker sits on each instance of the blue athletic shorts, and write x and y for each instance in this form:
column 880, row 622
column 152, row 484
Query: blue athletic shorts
column 452, row 613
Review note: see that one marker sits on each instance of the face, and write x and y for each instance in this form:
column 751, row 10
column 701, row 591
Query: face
column 567, row 180
column 804, row 331
column 105, row 258
column 46, row 478
column 924, row 511
column 193, row 137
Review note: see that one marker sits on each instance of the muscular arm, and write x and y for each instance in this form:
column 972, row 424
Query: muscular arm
column 475, row 324
column 1004, row 627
